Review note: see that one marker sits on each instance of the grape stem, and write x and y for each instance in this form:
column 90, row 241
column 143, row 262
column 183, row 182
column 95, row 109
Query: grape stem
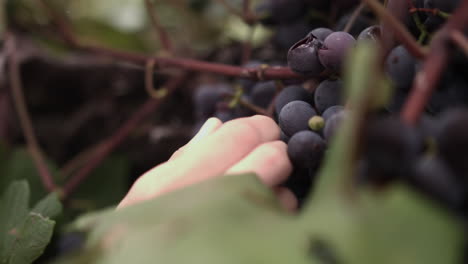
column 417, row 21
column 460, row 39
column 25, row 119
column 353, row 17
column 430, row 74
column 401, row 33
column 159, row 30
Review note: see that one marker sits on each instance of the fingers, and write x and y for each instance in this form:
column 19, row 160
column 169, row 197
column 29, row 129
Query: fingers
column 210, row 126
column 209, row 157
column 269, row 161
column 224, row 148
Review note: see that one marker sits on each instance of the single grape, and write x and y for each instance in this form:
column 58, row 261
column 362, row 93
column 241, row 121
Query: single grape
column 332, row 124
column 305, row 149
column 434, row 178
column 316, row 123
column 303, row 57
column 361, row 23
column 401, row 67
column 207, row 96
column 291, row 93
column 300, row 183
column 336, row 46
column 328, row 94
column 451, row 93
column 321, row 33
column 443, row 5
column 294, row 117
column 391, row 147
column 288, row 34
column 331, row 111
column 286, row 11
column 371, row 33
column 452, row 140
column 263, row 93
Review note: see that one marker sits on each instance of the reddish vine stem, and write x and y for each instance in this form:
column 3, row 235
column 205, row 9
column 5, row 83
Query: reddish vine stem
column 63, row 26
column 270, row 73
column 111, row 143
column 160, row 31
column 353, row 17
column 399, row 29
column 460, row 39
column 24, row 117
column 430, row 74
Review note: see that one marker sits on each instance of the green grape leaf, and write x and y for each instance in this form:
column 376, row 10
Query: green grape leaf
column 24, row 234
column 30, row 239
column 49, row 206
column 13, row 209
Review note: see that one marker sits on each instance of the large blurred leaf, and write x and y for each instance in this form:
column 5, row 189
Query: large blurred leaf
column 233, row 219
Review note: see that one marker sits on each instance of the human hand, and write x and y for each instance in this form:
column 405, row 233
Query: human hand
column 242, row 145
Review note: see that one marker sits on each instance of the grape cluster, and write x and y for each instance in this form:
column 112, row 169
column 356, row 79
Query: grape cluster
column 432, row 156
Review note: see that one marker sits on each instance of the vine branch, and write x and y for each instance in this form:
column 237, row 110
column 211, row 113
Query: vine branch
column 430, row 74
column 270, row 73
column 106, row 147
column 24, row 117
column 160, row 31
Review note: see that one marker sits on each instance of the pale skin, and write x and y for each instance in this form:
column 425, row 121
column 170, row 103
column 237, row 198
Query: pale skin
column 249, row 144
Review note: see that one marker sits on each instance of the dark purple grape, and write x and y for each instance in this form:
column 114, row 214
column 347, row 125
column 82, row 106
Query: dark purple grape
column 70, row 242
column 433, row 22
column 330, row 111
column 332, row 125
column 321, row 33
column 305, row 149
column 225, row 115
column 284, row 137
column 288, row 34
column 451, row 93
column 294, row 117
column 335, row 49
column 401, row 67
column 291, row 93
column 300, row 183
column 328, row 94
column 206, row 98
column 358, row 26
column 391, row 147
column 303, row 57
column 434, row 178
column 281, row 11
column 371, row 33
column 396, row 102
column 452, row 140
column 443, row 5
column 263, row 93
